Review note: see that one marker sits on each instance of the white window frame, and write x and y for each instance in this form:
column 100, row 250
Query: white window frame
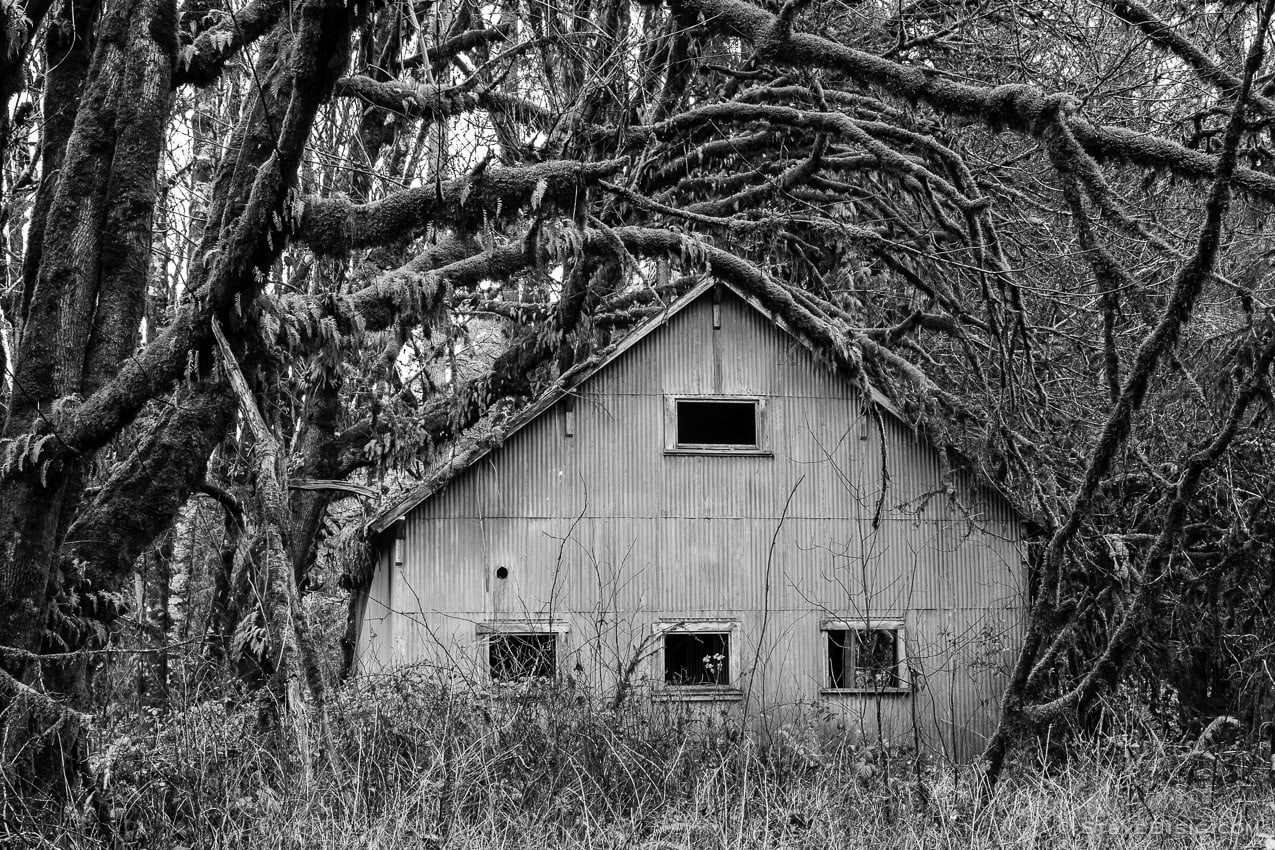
column 673, row 447
column 861, row 625
column 697, row 693
column 483, row 633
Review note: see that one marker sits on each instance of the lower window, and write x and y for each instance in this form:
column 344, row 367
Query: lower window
column 698, row 658
column 863, row 656
column 513, row 657
column 516, row 652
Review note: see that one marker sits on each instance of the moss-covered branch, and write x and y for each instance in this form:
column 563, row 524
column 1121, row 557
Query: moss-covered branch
column 336, row 227
column 434, row 103
column 1020, row 108
column 455, row 45
column 1162, row 35
column 1022, row 707
column 202, row 60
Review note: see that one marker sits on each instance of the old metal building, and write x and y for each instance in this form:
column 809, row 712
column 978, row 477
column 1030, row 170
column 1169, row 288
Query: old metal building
column 708, row 499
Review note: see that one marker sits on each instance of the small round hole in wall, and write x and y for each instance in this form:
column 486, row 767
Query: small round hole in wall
column 502, row 572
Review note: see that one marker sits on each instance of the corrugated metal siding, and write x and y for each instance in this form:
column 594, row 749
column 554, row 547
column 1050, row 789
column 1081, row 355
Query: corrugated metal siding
column 606, row 530
column 373, row 646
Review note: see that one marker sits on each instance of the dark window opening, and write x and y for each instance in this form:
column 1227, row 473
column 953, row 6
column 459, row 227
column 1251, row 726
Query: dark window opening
column 522, row 656
column 866, row 659
column 699, row 658
column 717, row 423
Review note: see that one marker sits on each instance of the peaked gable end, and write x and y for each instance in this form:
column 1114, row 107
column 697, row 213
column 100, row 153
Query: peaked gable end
column 686, row 345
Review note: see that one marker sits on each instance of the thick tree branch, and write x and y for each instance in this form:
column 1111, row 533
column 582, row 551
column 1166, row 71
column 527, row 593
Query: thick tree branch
column 337, row 227
column 1131, row 625
column 1021, row 108
column 456, row 45
column 1047, row 614
column 1165, row 36
column 222, row 496
column 1157, row 344
column 201, row 62
column 434, row 103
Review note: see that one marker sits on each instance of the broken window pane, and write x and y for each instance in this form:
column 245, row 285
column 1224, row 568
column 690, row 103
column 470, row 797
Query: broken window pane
column 866, row 659
column 697, row 658
column 522, row 656
column 730, row 424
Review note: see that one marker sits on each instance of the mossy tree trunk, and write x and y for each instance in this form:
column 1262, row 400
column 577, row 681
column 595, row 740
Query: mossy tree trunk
column 86, row 296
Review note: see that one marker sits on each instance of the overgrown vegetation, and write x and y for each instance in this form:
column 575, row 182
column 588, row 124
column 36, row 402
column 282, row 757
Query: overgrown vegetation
column 412, row 764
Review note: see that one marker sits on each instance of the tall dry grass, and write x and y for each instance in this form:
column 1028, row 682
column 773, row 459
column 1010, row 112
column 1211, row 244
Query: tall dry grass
column 414, row 764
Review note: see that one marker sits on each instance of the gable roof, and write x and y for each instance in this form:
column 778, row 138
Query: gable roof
column 573, row 379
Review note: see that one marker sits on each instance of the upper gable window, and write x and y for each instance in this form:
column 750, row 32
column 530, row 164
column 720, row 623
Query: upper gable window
column 716, row 424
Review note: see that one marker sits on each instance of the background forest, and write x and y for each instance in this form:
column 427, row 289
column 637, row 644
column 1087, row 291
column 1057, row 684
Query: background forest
column 268, row 263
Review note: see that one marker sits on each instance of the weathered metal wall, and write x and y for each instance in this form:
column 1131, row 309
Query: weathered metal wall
column 376, row 622
column 605, row 530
